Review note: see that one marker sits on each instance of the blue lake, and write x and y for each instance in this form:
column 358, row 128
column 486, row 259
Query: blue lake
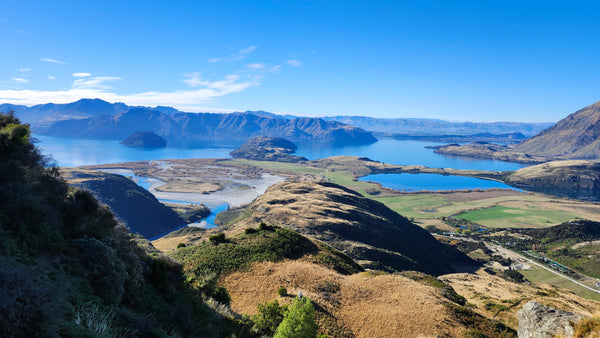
column 70, row 152
column 433, row 182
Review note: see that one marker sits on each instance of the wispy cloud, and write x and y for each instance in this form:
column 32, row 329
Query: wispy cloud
column 51, row 77
column 20, row 80
column 239, row 55
column 23, row 70
column 81, row 74
column 96, row 82
column 295, row 63
column 53, row 61
column 256, row 66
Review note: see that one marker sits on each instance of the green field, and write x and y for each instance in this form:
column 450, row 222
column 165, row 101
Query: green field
column 538, row 275
column 504, row 217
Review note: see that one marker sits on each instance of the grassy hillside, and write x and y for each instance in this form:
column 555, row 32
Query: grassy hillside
column 574, row 137
column 573, row 178
column 365, row 230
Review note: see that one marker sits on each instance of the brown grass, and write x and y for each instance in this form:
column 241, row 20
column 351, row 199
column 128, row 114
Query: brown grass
column 481, row 289
column 368, row 305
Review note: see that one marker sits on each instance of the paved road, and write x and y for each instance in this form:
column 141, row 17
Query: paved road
column 542, row 266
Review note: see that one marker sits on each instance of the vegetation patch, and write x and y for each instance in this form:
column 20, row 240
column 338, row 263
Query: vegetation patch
column 222, row 255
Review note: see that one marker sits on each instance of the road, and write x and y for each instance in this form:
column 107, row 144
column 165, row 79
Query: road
column 499, row 248
column 509, row 252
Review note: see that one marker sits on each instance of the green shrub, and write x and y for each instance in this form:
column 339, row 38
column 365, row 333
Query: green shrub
column 298, row 321
column 181, row 245
column 282, row 291
column 249, row 231
column 268, row 318
column 218, row 238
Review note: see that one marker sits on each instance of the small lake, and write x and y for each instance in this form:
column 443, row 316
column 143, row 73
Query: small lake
column 432, row 182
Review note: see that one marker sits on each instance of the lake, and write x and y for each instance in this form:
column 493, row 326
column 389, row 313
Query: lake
column 69, row 152
column 433, row 182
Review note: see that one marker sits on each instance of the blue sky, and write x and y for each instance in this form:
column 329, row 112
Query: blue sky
column 453, row 60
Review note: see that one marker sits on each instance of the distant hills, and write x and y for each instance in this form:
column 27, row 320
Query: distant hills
column 98, row 119
column 416, row 126
column 575, row 137
column 95, row 118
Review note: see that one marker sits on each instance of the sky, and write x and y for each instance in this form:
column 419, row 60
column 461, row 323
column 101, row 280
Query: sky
column 480, row 60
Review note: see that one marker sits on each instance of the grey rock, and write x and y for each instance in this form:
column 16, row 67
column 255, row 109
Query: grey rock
column 539, row 321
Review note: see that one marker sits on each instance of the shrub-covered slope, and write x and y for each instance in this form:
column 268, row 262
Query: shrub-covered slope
column 67, row 268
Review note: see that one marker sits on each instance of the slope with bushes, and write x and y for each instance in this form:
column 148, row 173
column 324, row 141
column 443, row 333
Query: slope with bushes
column 69, row 269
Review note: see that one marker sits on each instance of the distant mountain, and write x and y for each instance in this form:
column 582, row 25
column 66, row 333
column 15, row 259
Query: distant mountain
column 190, row 128
column 6, row 107
column 44, row 115
column 575, row 137
column 415, row 126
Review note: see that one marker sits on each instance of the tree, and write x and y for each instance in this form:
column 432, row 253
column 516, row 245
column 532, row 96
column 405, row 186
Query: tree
column 268, row 318
column 299, row 320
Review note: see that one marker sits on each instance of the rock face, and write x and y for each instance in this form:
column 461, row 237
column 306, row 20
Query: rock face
column 539, row 321
column 144, row 139
column 263, row 148
column 575, row 137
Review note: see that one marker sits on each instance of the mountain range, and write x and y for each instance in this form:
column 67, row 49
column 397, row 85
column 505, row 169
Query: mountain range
column 95, row 118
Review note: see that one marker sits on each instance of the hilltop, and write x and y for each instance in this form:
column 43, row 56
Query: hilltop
column 364, row 229
column 575, row 137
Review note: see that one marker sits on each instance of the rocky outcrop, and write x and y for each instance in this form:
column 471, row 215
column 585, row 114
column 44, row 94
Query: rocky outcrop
column 539, row 321
column 263, row 148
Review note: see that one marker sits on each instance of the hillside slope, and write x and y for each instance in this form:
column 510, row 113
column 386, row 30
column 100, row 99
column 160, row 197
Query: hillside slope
column 575, row 137
column 132, row 204
column 573, row 178
column 366, row 230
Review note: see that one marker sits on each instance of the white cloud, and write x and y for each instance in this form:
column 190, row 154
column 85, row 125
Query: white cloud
column 195, row 79
column 276, row 69
column 51, row 77
column 256, row 66
column 189, row 100
column 96, row 82
column 23, row 70
column 295, row 63
column 53, row 61
column 239, row 55
column 81, row 74
column 20, row 80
